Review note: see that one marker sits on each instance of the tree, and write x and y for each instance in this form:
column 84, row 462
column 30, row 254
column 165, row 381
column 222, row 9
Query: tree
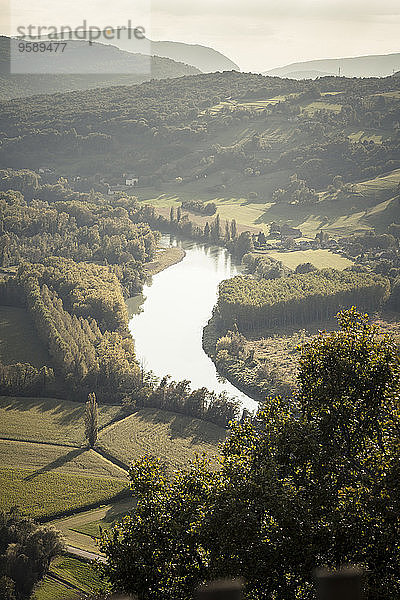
column 7, row 588
column 310, row 483
column 91, row 420
column 26, row 549
column 172, row 214
column 227, row 232
column 243, row 244
column 305, row 268
column 233, row 229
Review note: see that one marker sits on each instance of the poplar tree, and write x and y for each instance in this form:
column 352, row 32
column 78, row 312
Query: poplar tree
column 91, row 420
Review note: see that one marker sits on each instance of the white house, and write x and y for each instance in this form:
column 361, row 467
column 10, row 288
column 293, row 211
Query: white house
column 131, row 179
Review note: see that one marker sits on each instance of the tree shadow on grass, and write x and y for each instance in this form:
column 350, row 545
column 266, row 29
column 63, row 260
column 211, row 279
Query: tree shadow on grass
column 119, row 510
column 182, row 426
column 59, row 462
column 65, row 414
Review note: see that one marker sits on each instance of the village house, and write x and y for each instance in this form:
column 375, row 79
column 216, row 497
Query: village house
column 131, row 180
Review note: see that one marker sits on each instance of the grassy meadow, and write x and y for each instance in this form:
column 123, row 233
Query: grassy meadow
column 172, row 437
column 47, row 469
column 322, row 259
column 81, row 529
column 372, row 203
column 47, row 420
column 44, row 494
column 69, row 579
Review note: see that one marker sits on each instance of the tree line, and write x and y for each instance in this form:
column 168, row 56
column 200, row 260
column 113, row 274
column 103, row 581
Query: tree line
column 79, row 313
column 300, row 298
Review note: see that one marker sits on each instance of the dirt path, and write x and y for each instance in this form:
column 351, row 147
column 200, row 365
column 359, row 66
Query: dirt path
column 70, row 526
column 85, row 555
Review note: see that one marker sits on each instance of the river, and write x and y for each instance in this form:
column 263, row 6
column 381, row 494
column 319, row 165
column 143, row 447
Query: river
column 167, row 320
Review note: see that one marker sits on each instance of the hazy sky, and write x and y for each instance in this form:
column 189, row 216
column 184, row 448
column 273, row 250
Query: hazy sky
column 256, row 34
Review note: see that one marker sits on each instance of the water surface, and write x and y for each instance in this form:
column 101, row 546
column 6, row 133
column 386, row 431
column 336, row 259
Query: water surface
column 167, row 320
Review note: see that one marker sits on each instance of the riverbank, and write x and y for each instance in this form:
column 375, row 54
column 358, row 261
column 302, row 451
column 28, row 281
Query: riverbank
column 164, row 259
column 233, row 370
column 255, row 372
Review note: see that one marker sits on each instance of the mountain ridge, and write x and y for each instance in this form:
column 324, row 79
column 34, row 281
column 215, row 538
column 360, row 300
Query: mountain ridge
column 370, row 65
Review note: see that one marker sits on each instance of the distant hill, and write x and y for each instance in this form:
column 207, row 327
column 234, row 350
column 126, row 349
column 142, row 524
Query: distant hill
column 86, row 67
column 379, row 65
column 306, row 74
column 204, row 58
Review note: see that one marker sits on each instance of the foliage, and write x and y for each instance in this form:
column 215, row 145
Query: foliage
column 252, row 303
column 312, row 484
column 296, row 192
column 26, row 550
column 91, row 420
column 88, row 359
column 45, row 222
column 25, row 380
column 207, row 209
column 264, row 266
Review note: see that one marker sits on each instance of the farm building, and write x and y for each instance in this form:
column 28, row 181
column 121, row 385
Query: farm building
column 131, row 180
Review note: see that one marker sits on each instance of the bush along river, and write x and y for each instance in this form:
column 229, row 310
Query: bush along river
column 168, row 318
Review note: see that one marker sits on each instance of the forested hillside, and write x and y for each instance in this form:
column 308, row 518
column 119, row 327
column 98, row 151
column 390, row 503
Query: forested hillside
column 225, row 137
column 85, row 67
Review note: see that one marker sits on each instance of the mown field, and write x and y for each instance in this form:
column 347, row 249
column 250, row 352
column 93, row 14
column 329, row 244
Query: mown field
column 322, row 259
column 172, row 437
column 48, row 458
column 47, row 420
column 47, row 468
column 46, row 494
column 69, row 579
column 82, row 528
column 372, row 203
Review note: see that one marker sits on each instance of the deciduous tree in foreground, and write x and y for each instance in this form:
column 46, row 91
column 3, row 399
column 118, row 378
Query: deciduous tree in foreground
column 26, row 550
column 310, row 483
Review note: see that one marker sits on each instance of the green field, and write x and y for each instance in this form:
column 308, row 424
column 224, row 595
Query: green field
column 47, row 469
column 80, row 529
column 389, row 182
column 46, row 494
column 46, row 458
column 172, row 437
column 52, row 589
column 47, row 420
column 322, row 259
column 18, row 339
column 321, row 105
column 366, row 206
column 69, row 579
